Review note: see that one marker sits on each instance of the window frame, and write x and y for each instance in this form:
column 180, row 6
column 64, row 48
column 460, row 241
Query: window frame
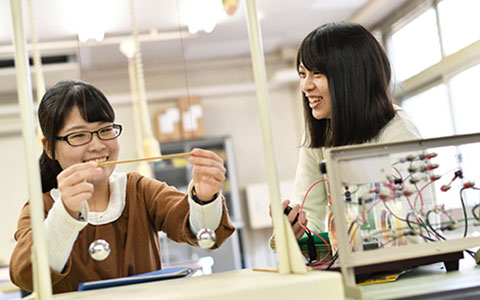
column 439, row 73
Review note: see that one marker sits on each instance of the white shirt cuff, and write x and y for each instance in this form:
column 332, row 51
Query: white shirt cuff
column 204, row 216
column 61, row 231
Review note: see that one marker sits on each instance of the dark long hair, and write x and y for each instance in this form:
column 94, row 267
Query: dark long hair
column 358, row 73
column 55, row 106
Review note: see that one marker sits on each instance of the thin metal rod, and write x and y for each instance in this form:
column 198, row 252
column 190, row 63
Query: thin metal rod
column 168, row 156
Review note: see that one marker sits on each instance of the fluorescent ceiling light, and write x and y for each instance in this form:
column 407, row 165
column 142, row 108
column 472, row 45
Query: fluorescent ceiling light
column 202, row 15
column 90, row 21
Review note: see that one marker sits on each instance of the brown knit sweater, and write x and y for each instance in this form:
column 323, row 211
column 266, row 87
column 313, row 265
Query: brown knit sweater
column 150, row 206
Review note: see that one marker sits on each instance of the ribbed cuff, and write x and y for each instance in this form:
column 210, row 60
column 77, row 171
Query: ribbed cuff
column 206, row 215
column 61, row 232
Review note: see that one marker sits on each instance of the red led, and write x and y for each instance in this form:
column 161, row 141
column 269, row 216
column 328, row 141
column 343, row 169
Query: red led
column 445, row 188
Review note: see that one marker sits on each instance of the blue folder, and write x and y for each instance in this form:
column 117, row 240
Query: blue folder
column 168, row 273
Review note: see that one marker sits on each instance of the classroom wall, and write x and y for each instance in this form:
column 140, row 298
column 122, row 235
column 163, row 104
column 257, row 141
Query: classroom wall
column 14, row 190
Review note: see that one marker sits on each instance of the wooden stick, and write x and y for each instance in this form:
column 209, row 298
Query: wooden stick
column 265, row 270
column 168, row 156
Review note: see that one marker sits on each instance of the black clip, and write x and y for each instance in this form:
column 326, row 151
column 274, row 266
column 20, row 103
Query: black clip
column 323, row 167
column 287, row 210
column 312, row 252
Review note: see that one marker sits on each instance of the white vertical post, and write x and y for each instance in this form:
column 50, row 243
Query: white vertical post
column 41, row 270
column 289, row 256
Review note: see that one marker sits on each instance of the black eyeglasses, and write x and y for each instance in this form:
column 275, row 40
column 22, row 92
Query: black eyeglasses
column 81, row 138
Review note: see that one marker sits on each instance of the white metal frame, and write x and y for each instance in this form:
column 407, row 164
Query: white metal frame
column 41, row 271
column 290, row 258
column 350, row 259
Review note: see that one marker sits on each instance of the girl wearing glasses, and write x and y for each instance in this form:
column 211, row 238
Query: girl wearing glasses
column 84, row 202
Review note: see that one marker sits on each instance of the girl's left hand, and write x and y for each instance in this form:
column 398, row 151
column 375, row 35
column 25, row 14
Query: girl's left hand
column 208, row 173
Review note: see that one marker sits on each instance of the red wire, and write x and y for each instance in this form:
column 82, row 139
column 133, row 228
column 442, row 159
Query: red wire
column 410, row 203
column 305, row 227
column 419, row 194
column 319, row 267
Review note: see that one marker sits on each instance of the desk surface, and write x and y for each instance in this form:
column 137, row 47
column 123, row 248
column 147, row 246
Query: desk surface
column 427, row 280
column 248, row 284
column 241, row 284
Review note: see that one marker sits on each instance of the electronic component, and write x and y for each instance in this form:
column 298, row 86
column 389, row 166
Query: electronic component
column 416, row 212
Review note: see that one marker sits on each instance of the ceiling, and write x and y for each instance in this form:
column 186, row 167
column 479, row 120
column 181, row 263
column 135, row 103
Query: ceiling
column 284, row 23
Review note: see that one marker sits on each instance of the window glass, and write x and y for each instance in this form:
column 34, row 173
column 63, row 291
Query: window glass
column 459, row 23
column 430, row 112
column 415, row 46
column 465, row 93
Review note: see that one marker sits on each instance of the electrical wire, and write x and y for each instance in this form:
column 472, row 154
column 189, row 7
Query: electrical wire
column 431, row 227
column 334, row 258
column 431, row 230
column 403, row 185
column 305, row 227
column 420, row 224
column 475, row 206
column 464, row 212
column 473, row 211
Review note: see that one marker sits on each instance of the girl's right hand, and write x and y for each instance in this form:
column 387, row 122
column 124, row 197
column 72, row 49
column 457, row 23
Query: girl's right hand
column 73, row 183
column 298, row 230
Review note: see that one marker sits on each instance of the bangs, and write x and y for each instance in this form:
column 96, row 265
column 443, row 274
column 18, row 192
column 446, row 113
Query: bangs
column 96, row 107
column 91, row 103
column 312, row 54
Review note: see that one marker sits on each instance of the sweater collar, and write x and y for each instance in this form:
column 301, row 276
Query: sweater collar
column 116, row 203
